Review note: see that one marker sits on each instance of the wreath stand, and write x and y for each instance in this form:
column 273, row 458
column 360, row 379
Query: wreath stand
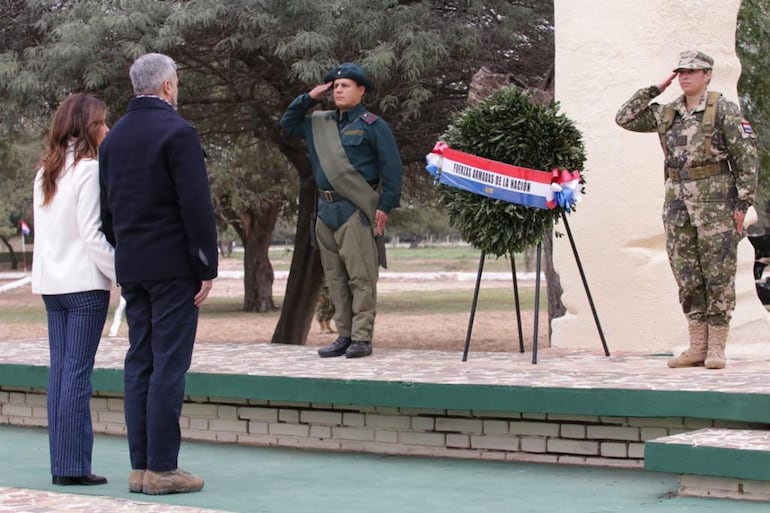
column 537, row 298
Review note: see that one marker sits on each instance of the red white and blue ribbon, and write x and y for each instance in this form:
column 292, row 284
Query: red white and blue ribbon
column 505, row 182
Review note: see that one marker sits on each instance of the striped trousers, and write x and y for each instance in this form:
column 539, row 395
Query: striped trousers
column 75, row 324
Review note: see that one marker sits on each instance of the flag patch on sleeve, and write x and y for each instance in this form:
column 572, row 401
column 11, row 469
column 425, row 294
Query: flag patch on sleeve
column 746, row 126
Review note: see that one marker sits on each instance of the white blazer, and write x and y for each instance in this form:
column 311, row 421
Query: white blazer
column 71, row 254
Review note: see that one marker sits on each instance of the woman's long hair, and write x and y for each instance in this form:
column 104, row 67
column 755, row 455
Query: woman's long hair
column 76, row 122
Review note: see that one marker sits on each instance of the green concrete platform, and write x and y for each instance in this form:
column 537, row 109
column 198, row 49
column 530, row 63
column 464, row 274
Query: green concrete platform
column 568, row 400
column 738, row 454
column 267, row 480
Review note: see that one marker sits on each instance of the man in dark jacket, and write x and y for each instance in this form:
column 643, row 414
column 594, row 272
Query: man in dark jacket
column 157, row 212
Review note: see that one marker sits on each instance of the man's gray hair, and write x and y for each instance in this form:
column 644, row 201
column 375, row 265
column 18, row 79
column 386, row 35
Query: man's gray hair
column 149, row 72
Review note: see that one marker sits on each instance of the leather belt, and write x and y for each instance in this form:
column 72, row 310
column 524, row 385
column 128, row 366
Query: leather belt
column 697, row 172
column 329, row 196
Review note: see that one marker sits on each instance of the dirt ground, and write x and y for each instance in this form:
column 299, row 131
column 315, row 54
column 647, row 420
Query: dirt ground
column 492, row 330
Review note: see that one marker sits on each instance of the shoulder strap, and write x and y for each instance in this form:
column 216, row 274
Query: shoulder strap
column 337, row 167
column 368, row 117
column 708, row 123
column 710, row 120
column 667, row 120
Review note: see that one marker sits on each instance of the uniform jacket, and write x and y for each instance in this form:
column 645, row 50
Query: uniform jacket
column 708, row 201
column 368, row 143
column 156, row 204
column 71, row 252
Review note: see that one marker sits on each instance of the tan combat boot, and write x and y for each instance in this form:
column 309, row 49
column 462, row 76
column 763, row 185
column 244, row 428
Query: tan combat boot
column 695, row 354
column 715, row 359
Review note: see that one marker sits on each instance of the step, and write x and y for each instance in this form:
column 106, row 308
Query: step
column 729, row 463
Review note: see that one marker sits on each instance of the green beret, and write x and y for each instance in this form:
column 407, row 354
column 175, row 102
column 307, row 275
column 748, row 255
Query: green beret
column 351, row 71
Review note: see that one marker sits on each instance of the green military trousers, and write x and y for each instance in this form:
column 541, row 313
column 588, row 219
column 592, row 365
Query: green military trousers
column 349, row 259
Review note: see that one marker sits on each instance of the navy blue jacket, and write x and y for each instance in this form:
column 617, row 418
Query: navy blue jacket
column 155, row 199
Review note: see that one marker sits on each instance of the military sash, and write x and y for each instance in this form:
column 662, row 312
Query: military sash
column 341, row 174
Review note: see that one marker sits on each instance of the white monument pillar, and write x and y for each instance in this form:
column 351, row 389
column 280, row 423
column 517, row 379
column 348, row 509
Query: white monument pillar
column 605, row 51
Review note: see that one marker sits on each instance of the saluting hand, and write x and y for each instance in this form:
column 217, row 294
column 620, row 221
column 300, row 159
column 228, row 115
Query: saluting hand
column 666, row 82
column 319, row 90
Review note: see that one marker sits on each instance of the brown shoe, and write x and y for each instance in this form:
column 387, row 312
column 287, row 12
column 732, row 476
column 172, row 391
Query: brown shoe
column 136, row 481
column 172, row 481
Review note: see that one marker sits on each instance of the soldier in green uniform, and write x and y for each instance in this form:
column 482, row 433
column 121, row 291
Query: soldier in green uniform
column 357, row 168
column 710, row 181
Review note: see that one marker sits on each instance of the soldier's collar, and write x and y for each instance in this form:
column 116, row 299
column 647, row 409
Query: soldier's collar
column 682, row 104
column 352, row 113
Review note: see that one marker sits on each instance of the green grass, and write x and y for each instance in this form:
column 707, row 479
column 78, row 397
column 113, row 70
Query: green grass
column 422, row 259
column 21, row 314
column 394, row 303
column 452, row 301
column 405, row 303
column 232, row 307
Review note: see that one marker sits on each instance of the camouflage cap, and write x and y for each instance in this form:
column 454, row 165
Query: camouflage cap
column 692, row 59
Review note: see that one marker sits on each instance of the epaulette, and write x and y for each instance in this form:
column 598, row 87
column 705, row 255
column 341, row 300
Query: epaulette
column 368, row 117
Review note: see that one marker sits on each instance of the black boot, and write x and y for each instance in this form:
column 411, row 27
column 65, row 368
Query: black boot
column 336, row 348
column 359, row 349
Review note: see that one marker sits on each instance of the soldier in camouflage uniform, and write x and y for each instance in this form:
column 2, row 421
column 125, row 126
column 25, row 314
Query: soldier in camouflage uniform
column 324, row 311
column 710, row 181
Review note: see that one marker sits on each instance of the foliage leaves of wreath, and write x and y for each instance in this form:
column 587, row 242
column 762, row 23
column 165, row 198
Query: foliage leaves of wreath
column 509, row 127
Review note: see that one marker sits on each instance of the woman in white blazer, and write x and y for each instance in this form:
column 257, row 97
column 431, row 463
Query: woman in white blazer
column 73, row 268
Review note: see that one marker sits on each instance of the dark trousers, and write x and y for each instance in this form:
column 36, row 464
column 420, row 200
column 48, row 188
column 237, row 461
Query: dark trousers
column 162, row 320
column 75, row 324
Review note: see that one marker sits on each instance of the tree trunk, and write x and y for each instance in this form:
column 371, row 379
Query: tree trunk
column 553, row 285
column 258, row 274
column 11, row 253
column 556, row 307
column 305, row 274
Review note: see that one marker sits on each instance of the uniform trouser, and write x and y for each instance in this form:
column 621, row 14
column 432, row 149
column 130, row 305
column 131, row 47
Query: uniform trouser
column 704, row 266
column 162, row 321
column 349, row 260
column 75, row 324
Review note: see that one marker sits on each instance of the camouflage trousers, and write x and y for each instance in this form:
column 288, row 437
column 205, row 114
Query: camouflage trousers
column 704, row 263
column 325, row 308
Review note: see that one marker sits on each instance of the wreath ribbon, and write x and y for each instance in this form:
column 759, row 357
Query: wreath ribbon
column 498, row 180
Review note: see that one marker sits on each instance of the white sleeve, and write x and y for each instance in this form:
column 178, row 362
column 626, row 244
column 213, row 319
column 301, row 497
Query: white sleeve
column 89, row 220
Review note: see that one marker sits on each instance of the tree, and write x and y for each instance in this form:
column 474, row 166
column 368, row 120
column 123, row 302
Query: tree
column 20, row 128
column 242, row 62
column 18, row 155
column 419, row 223
column 753, row 49
column 250, row 190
